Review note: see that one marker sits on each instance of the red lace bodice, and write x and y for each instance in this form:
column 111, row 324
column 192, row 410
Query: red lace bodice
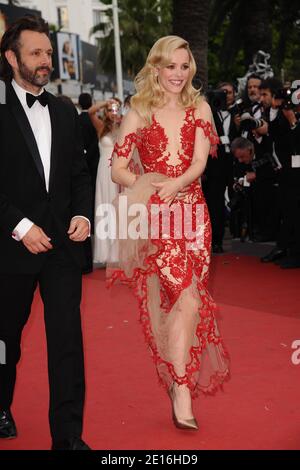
column 152, row 143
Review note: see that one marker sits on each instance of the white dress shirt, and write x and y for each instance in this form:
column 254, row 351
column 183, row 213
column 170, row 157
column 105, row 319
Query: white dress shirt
column 273, row 113
column 39, row 120
column 225, row 118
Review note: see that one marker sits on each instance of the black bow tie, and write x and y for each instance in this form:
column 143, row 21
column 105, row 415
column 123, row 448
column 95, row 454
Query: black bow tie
column 31, row 99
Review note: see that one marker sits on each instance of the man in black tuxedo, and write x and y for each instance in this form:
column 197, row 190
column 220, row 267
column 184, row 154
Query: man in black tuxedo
column 45, row 208
column 284, row 129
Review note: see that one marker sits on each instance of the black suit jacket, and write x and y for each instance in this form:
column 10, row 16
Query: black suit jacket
column 22, row 184
column 285, row 141
column 220, row 170
column 91, row 144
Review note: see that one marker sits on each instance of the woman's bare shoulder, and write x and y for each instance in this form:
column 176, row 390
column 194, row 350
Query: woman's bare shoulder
column 203, row 110
column 134, row 119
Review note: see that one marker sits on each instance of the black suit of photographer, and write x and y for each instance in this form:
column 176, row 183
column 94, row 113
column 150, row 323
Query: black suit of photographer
column 218, row 175
column 263, row 143
column 287, row 143
column 265, row 190
column 255, row 206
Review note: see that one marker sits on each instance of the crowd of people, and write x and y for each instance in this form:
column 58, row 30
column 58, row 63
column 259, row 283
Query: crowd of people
column 257, row 169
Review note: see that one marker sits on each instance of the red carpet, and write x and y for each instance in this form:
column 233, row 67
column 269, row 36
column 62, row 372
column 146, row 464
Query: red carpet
column 125, row 407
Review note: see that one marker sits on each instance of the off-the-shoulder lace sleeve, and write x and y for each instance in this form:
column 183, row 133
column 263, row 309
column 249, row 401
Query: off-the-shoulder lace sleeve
column 124, row 149
column 211, row 133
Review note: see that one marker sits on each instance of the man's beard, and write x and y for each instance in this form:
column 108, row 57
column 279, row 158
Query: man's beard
column 32, row 76
column 253, row 98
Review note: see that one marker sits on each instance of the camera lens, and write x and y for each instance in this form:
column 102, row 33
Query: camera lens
column 114, row 108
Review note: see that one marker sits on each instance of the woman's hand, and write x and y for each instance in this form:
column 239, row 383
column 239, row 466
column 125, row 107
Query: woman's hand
column 134, row 178
column 169, row 189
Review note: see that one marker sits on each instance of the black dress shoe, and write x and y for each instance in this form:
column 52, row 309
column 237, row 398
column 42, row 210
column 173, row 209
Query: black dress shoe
column 261, row 239
column 8, row 428
column 290, row 263
column 74, row 443
column 275, row 254
column 284, row 259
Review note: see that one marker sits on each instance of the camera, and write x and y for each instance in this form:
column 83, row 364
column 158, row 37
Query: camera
column 217, row 99
column 238, row 186
column 115, row 108
column 284, row 94
column 249, row 123
column 240, row 192
column 267, row 158
column 238, row 107
column 290, row 97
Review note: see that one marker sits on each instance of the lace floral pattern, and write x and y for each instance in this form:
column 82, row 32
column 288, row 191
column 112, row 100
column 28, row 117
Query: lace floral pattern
column 176, row 309
column 125, row 149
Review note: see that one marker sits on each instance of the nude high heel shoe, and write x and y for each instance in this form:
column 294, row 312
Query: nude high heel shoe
column 188, row 424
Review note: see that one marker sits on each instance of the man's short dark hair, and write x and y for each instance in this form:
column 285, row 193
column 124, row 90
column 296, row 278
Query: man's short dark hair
column 221, row 84
column 85, row 101
column 10, row 40
column 272, row 84
column 255, row 76
column 242, row 143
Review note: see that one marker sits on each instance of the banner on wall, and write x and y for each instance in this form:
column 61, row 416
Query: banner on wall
column 88, row 63
column 67, row 56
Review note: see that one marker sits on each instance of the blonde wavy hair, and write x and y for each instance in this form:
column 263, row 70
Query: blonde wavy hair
column 150, row 94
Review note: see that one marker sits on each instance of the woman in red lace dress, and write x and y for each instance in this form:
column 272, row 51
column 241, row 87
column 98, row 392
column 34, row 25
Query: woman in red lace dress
column 170, row 125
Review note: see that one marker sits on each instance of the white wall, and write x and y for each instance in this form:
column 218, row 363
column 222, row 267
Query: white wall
column 80, row 14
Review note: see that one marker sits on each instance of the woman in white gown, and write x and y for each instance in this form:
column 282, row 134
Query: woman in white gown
column 106, row 190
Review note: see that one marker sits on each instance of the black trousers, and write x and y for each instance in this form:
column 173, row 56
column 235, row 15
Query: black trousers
column 215, row 199
column 289, row 234
column 219, row 173
column 60, row 287
column 266, row 208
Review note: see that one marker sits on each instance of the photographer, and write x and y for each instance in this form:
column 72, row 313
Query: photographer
column 219, row 171
column 256, row 191
column 249, row 117
column 284, row 130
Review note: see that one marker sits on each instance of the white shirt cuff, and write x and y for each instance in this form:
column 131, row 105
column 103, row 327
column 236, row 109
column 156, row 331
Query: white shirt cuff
column 21, row 229
column 85, row 218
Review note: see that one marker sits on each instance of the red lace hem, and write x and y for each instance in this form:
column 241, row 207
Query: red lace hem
column 138, row 282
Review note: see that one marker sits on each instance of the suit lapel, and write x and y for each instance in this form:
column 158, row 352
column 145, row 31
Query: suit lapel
column 25, row 128
column 55, row 132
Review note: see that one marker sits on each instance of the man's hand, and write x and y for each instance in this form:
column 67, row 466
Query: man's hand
column 79, row 229
column 36, row 241
column 262, row 130
column 250, row 176
column 290, row 116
